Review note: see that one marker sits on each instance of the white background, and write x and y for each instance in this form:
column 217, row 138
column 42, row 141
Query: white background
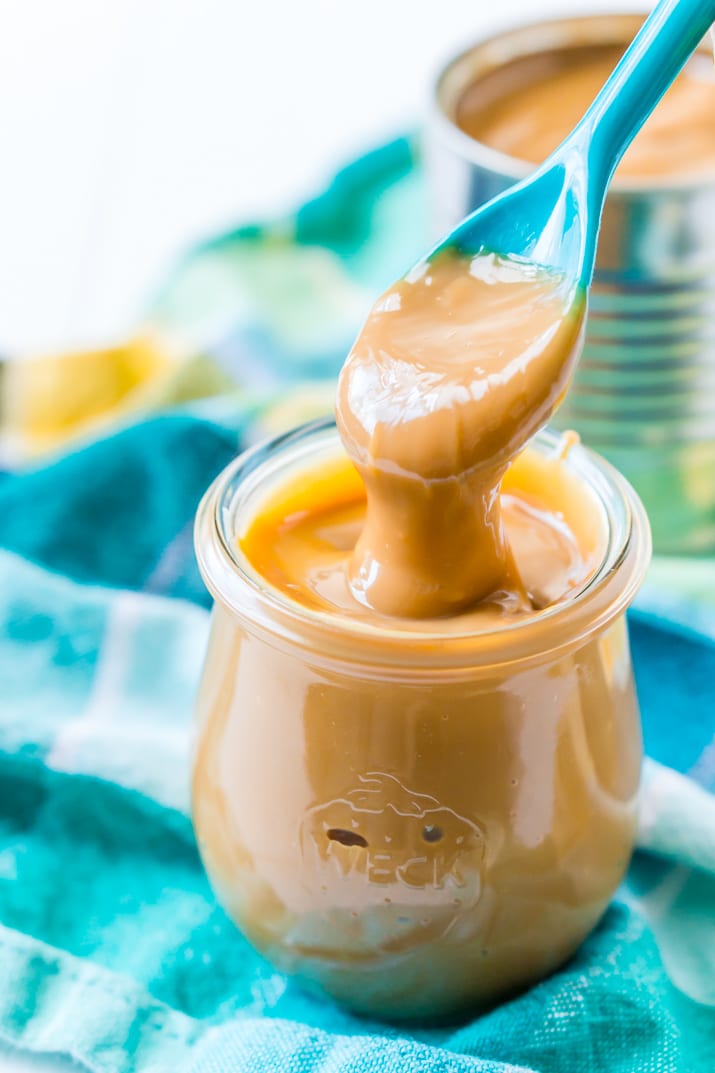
column 129, row 128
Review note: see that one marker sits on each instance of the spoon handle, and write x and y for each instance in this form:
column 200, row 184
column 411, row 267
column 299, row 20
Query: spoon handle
column 668, row 37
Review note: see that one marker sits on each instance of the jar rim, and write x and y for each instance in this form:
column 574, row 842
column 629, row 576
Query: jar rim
column 528, row 39
column 268, row 612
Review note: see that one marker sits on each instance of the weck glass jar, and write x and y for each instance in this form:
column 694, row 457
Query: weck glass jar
column 414, row 825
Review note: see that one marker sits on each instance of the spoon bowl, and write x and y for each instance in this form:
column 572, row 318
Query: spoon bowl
column 543, row 219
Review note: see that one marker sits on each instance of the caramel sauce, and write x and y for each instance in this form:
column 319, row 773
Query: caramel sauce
column 456, row 368
column 302, row 540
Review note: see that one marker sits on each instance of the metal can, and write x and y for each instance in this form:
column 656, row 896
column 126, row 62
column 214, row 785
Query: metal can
column 644, row 392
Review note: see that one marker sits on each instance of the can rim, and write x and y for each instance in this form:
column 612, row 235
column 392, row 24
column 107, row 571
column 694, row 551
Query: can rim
column 537, row 35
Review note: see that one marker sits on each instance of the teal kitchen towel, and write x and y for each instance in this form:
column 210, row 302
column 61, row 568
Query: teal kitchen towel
column 112, row 947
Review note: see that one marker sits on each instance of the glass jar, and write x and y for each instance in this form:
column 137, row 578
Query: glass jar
column 414, row 828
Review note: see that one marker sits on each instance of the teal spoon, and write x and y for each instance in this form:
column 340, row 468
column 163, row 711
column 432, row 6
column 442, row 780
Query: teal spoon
column 552, row 217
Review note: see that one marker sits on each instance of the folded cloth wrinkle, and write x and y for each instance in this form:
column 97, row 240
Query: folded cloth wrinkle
column 107, row 514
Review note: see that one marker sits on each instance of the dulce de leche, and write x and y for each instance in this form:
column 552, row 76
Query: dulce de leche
column 418, row 744
column 456, row 368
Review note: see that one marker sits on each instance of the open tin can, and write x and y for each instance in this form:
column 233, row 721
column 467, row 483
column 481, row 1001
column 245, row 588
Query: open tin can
column 644, row 391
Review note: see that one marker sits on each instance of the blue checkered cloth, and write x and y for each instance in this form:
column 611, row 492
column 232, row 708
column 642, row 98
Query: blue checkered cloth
column 112, row 947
